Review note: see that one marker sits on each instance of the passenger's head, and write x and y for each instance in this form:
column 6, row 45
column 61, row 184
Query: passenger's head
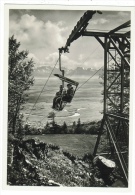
column 69, row 85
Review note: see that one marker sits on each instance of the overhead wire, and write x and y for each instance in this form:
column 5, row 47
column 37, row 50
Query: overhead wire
column 90, row 78
column 90, row 55
column 80, row 86
column 87, row 79
column 83, row 63
column 94, row 74
column 42, row 89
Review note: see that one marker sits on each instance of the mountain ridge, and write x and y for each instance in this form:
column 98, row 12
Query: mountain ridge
column 44, row 71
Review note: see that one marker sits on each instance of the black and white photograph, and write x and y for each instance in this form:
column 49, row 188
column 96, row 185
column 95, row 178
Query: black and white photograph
column 68, row 109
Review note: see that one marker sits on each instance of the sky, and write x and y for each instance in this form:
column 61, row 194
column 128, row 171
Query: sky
column 42, row 32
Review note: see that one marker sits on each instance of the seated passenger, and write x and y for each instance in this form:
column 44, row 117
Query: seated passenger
column 69, row 95
column 58, row 94
column 66, row 96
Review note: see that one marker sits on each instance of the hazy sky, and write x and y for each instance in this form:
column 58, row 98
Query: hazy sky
column 42, row 32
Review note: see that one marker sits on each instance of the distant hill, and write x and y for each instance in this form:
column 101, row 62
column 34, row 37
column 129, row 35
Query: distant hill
column 79, row 71
column 44, row 71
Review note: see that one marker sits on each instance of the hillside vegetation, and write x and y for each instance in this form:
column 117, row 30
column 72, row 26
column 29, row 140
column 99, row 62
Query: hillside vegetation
column 40, row 164
column 53, row 128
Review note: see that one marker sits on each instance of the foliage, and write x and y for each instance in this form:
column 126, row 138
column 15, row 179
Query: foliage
column 78, row 128
column 54, row 128
column 51, row 115
column 88, row 157
column 20, row 79
column 64, row 127
column 35, row 163
column 69, row 156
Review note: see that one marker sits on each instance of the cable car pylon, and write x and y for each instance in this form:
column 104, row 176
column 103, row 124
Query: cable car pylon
column 115, row 121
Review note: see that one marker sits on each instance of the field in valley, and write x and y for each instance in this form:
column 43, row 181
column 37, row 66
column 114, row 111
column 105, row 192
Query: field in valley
column 77, row 144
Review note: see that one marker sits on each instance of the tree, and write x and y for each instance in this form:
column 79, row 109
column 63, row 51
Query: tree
column 64, row 127
column 52, row 116
column 73, row 127
column 78, row 126
column 19, row 81
column 46, row 127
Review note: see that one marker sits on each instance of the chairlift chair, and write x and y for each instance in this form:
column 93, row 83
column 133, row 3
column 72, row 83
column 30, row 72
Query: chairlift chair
column 59, row 107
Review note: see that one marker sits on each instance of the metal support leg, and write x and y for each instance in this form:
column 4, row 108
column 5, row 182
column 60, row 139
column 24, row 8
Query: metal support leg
column 99, row 136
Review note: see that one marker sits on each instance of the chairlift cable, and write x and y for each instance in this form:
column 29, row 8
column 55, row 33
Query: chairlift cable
column 82, row 64
column 89, row 78
column 84, row 82
column 80, row 86
column 93, row 75
column 90, row 54
column 42, row 89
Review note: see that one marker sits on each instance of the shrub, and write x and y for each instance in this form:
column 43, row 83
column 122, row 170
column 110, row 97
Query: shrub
column 54, row 147
column 88, row 157
column 69, row 156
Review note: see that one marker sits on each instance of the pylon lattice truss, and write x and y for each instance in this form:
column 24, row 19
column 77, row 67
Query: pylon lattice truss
column 116, row 45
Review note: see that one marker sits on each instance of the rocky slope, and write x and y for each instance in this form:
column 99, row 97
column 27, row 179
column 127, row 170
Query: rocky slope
column 40, row 164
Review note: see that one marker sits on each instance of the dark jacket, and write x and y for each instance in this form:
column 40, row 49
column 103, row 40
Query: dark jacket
column 59, row 93
column 70, row 92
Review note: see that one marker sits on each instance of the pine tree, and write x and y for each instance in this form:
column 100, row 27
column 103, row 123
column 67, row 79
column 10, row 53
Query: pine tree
column 74, row 127
column 78, row 126
column 64, row 127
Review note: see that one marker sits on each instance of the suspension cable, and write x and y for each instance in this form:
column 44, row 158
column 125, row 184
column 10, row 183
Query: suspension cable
column 90, row 78
column 94, row 74
column 42, row 89
column 87, row 79
column 88, row 58
column 90, row 54
column 80, row 86
column 82, row 64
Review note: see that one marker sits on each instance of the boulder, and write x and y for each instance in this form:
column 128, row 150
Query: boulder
column 53, row 183
column 105, row 165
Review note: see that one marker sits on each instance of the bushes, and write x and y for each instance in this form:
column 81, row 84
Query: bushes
column 88, row 157
column 76, row 128
column 53, row 147
column 69, row 156
column 48, row 163
column 19, row 81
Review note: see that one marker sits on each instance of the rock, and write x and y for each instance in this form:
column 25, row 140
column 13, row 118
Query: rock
column 118, row 183
column 86, row 165
column 99, row 181
column 28, row 162
column 53, row 183
column 105, row 165
column 107, row 162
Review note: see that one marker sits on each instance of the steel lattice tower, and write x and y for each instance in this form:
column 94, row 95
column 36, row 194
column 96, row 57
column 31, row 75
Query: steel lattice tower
column 115, row 122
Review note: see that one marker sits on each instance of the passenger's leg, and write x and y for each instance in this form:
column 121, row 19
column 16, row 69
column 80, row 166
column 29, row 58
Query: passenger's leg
column 58, row 101
column 66, row 98
column 54, row 101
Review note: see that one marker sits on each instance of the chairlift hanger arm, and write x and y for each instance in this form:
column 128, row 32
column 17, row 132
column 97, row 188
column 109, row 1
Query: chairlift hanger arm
column 79, row 29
